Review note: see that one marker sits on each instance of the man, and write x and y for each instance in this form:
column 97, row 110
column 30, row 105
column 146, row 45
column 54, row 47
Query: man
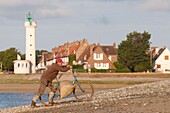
column 46, row 80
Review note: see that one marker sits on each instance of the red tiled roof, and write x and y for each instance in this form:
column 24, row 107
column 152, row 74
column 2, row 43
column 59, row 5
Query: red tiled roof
column 63, row 50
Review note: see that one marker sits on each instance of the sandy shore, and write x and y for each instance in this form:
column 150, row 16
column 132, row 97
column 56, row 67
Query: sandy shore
column 108, row 98
column 143, row 98
column 32, row 88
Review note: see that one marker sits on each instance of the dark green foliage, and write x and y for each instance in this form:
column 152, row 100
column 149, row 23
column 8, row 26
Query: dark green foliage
column 2, row 53
column 71, row 59
column 140, row 68
column 77, row 66
column 39, row 55
column 133, row 51
column 23, row 57
column 118, row 65
column 124, row 70
column 81, row 70
column 93, row 70
column 7, row 57
column 110, row 71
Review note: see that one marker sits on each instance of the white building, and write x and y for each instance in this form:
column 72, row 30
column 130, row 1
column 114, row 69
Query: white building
column 162, row 60
column 30, row 42
column 28, row 66
column 22, row 67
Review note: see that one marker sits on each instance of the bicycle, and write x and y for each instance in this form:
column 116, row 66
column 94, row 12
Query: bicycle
column 82, row 90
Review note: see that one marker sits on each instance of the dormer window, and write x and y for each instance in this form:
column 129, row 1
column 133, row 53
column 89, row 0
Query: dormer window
column 85, row 57
column 98, row 56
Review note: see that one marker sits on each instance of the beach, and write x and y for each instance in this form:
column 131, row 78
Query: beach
column 151, row 97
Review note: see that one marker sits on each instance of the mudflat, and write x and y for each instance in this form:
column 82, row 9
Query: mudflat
column 100, row 81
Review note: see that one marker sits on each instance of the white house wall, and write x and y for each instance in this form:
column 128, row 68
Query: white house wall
column 165, row 64
column 21, row 67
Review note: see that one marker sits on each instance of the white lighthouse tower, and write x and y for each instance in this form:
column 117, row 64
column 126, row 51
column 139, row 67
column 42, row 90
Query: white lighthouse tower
column 30, row 42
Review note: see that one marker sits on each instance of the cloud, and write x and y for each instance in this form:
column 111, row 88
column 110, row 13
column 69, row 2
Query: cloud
column 157, row 5
column 54, row 11
column 15, row 9
column 14, row 3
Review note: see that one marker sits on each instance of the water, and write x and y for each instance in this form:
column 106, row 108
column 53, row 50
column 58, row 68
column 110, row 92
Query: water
column 16, row 99
column 19, row 99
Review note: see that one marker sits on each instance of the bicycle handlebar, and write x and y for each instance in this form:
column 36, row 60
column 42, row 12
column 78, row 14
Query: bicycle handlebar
column 72, row 70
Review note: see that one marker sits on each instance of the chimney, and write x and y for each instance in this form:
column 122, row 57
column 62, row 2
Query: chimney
column 114, row 45
column 45, row 55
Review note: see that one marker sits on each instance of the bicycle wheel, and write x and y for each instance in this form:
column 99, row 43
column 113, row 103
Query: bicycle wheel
column 83, row 91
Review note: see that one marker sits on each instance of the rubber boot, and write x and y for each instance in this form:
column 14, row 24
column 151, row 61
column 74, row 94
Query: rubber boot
column 34, row 100
column 51, row 96
column 33, row 105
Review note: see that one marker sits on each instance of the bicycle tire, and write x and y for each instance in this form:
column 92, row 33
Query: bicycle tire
column 83, row 91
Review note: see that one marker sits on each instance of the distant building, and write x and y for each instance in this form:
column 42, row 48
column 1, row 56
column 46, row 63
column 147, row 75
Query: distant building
column 162, row 60
column 28, row 66
column 63, row 52
column 22, row 67
column 98, row 57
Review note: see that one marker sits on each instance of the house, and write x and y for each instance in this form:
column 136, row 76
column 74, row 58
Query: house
column 98, row 57
column 162, row 60
column 22, row 66
column 63, row 52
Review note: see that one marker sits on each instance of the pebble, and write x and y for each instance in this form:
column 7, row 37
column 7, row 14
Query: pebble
column 113, row 95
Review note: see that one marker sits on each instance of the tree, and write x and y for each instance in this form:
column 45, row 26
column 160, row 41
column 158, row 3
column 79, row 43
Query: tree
column 7, row 58
column 71, row 59
column 1, row 55
column 39, row 55
column 134, row 51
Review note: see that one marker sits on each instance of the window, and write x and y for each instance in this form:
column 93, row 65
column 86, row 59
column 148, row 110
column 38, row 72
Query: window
column 158, row 66
column 30, row 35
column 26, row 65
column 98, row 56
column 18, row 64
column 30, row 44
column 104, row 64
column 101, row 56
column 85, row 57
column 166, row 57
column 30, row 54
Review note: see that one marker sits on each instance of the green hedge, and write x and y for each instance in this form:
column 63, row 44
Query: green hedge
column 77, row 66
column 124, row 70
column 81, row 70
column 140, row 68
column 93, row 70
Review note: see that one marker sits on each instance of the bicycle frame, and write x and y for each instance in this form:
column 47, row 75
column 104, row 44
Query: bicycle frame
column 75, row 81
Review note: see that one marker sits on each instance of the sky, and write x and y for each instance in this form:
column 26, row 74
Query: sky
column 98, row 21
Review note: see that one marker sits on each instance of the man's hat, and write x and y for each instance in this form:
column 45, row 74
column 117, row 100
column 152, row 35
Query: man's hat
column 59, row 60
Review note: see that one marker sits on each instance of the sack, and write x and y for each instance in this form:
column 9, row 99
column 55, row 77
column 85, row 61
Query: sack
column 66, row 88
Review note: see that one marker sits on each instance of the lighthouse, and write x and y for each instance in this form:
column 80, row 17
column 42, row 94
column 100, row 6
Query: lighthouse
column 30, row 41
